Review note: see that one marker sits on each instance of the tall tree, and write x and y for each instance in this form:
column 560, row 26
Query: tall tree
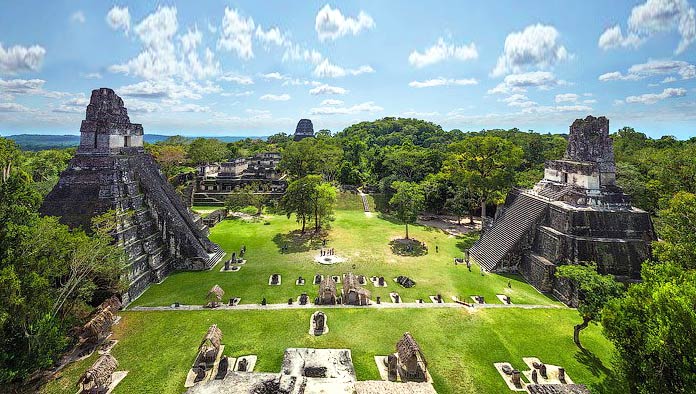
column 594, row 292
column 678, row 231
column 312, row 156
column 207, row 150
column 250, row 195
column 324, row 201
column 168, row 155
column 49, row 275
column 653, row 329
column 298, row 199
column 485, row 166
column 407, row 202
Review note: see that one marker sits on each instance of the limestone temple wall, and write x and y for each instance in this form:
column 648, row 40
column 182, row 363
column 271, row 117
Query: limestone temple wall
column 155, row 228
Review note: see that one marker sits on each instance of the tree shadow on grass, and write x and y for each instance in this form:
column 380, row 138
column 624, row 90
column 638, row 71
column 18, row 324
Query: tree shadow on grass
column 466, row 241
column 297, row 242
column 613, row 382
column 408, row 247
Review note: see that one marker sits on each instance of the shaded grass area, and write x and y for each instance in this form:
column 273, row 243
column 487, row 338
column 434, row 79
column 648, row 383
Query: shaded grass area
column 460, row 347
column 365, row 244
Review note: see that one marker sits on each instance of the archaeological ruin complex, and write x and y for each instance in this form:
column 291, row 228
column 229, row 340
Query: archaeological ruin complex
column 112, row 171
column 575, row 214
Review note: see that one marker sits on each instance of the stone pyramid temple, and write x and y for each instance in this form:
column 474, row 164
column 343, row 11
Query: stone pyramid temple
column 304, row 129
column 112, row 171
column 575, row 214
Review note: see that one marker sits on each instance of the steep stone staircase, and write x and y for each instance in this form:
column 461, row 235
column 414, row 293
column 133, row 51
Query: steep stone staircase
column 517, row 220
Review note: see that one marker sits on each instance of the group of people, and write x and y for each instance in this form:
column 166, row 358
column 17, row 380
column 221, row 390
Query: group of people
column 327, row 252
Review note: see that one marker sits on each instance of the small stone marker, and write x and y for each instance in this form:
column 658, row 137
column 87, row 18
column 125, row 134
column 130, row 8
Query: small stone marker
column 242, row 365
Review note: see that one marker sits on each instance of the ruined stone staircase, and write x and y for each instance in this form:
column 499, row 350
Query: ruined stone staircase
column 366, row 206
column 508, row 229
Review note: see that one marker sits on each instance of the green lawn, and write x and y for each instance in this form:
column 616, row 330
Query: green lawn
column 158, row 347
column 362, row 240
column 460, row 347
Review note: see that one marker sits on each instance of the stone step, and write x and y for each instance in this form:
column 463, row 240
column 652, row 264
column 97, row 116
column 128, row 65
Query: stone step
column 509, row 228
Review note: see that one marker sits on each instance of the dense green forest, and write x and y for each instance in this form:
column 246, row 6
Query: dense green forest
column 49, row 280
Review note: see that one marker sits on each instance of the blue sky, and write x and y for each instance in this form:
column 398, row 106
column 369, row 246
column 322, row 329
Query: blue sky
column 257, row 67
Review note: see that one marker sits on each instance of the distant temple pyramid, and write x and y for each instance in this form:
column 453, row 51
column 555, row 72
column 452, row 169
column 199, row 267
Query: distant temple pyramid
column 575, row 214
column 304, row 129
column 112, row 171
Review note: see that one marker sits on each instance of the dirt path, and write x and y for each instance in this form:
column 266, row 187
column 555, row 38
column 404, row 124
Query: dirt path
column 449, row 224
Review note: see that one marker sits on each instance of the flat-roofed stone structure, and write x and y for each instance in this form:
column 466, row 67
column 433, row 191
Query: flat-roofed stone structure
column 575, row 214
column 112, row 171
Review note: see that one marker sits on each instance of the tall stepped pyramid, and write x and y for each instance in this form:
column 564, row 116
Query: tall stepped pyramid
column 111, row 171
column 575, row 214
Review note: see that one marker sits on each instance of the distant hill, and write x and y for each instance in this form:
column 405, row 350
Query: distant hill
column 41, row 141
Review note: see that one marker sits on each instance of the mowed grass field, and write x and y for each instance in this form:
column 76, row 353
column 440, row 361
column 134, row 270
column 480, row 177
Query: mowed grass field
column 157, row 348
column 362, row 240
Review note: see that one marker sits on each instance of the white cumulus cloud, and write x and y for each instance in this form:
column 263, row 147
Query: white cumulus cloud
column 613, row 37
column 275, row 97
column 19, row 58
column 650, row 18
column 335, row 110
column 326, row 69
column 238, row 79
column 652, row 98
column 535, row 46
column 119, row 18
column 653, row 68
column 13, row 107
column 442, row 51
column 271, row 36
column 236, row 33
column 566, row 98
column 327, row 89
column 442, row 82
column 160, row 58
column 331, row 24
column 519, row 83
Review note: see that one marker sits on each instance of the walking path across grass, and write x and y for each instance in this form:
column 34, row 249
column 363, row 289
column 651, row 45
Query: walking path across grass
column 400, row 305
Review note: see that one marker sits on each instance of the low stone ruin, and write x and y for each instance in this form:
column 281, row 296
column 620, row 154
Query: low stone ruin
column 327, row 292
column 208, row 359
column 214, row 297
column 317, row 324
column 99, row 378
column 405, row 281
column 407, row 364
column 541, row 378
column 353, row 292
column 215, row 217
